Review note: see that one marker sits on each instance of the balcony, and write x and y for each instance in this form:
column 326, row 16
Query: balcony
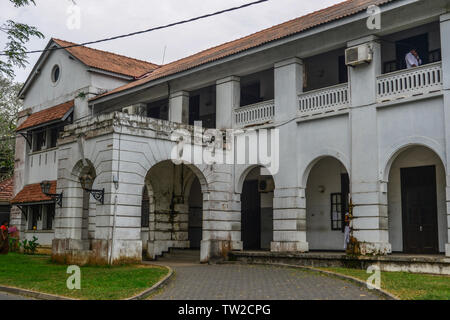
column 324, row 101
column 409, row 83
column 255, row 114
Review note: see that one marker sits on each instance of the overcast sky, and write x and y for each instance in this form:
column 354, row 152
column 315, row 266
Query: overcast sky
column 105, row 18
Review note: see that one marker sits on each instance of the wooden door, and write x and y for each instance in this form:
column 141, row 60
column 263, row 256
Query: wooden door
column 419, row 210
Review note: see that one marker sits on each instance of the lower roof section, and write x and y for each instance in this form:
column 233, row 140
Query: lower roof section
column 32, row 194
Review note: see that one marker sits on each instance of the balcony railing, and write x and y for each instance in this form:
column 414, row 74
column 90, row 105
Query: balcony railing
column 410, row 82
column 254, row 114
column 324, row 100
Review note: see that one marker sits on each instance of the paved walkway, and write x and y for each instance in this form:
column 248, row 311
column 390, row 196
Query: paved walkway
column 7, row 296
column 193, row 281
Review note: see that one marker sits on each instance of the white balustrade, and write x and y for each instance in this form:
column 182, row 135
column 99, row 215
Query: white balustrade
column 324, row 100
column 409, row 82
column 254, row 114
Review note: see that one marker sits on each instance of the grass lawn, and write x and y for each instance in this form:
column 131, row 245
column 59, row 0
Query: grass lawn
column 406, row 286
column 38, row 273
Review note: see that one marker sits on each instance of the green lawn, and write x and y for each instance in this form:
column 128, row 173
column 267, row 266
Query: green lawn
column 406, row 286
column 38, row 273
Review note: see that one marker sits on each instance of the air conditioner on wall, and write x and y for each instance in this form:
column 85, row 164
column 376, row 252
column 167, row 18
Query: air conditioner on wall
column 358, row 55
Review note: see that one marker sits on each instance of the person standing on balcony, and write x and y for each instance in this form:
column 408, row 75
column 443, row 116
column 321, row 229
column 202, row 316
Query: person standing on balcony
column 413, row 59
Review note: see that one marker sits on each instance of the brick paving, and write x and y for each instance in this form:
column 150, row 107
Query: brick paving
column 193, row 281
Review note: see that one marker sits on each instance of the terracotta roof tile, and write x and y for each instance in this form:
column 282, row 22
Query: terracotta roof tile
column 6, row 190
column 336, row 12
column 48, row 115
column 33, row 193
column 108, row 61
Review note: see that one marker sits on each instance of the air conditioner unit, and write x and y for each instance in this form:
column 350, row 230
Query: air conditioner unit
column 358, row 55
column 137, row 109
column 266, row 185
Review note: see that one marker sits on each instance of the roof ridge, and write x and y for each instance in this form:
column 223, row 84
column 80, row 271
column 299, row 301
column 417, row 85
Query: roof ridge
column 105, row 51
column 248, row 36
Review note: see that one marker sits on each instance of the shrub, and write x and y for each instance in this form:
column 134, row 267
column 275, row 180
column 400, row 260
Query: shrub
column 29, row 247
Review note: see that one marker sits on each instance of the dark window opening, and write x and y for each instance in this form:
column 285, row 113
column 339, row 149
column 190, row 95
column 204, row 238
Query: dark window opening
column 50, row 216
column 158, row 110
column 39, row 140
column 54, row 134
column 251, row 94
column 340, row 204
column 35, row 212
column 343, row 72
column 435, row 56
column 194, row 109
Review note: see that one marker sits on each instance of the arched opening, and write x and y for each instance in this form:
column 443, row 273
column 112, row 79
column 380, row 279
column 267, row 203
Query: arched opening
column 327, row 198
column 84, row 205
column 417, row 211
column 173, row 203
column 257, row 210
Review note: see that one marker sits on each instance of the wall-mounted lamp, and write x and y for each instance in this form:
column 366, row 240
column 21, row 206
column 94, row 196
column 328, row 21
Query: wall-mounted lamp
column 45, row 187
column 321, row 189
column 98, row 195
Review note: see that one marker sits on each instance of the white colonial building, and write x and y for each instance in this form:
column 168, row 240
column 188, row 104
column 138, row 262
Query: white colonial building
column 345, row 116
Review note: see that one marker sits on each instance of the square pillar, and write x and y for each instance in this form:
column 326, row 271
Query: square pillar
column 445, row 48
column 228, row 98
column 370, row 225
column 179, row 107
column 289, row 221
column 289, row 203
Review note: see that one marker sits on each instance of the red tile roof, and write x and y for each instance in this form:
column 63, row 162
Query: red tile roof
column 336, row 12
column 33, row 193
column 47, row 115
column 108, row 61
column 6, row 190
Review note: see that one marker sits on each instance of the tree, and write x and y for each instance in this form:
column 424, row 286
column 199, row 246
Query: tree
column 9, row 108
column 17, row 34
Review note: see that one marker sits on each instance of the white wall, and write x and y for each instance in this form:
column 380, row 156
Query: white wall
column 327, row 173
column 414, row 157
column 43, row 93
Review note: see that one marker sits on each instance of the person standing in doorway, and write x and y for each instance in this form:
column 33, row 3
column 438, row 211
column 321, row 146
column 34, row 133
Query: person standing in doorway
column 412, row 59
column 347, row 230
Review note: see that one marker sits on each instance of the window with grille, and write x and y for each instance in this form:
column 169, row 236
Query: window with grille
column 49, row 217
column 336, row 212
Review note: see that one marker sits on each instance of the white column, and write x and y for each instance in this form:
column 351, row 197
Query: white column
column 370, row 212
column 228, row 98
column 179, row 107
column 289, row 214
column 445, row 47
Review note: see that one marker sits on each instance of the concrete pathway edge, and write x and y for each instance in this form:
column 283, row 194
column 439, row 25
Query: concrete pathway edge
column 32, row 294
column 156, row 286
column 357, row 281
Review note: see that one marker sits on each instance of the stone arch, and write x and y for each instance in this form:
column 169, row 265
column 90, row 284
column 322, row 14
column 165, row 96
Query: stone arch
column 407, row 169
column 315, row 158
column 396, row 149
column 327, row 188
column 256, row 208
column 171, row 185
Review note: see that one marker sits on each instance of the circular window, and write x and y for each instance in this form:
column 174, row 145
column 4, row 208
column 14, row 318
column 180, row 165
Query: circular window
column 56, row 72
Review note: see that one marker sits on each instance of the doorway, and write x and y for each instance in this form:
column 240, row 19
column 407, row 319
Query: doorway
column 419, row 210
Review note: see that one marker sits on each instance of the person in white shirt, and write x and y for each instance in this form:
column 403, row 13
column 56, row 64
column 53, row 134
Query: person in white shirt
column 412, row 59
